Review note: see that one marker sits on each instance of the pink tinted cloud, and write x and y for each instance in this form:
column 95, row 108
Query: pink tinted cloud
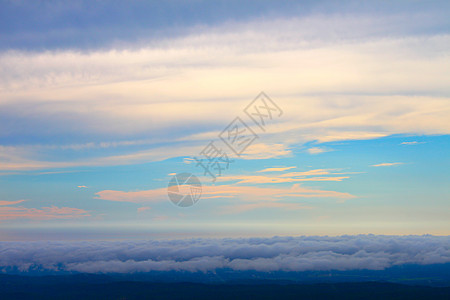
column 254, row 193
column 311, row 175
column 274, row 179
column 156, row 195
column 142, row 209
column 11, row 202
column 44, row 213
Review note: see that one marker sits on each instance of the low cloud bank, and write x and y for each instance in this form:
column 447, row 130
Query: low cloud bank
column 314, row 253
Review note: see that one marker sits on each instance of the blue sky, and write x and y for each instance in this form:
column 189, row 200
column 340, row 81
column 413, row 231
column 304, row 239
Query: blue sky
column 101, row 103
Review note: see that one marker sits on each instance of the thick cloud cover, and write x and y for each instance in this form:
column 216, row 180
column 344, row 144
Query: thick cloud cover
column 207, row 255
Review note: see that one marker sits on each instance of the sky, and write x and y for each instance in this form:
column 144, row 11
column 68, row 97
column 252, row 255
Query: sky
column 102, row 103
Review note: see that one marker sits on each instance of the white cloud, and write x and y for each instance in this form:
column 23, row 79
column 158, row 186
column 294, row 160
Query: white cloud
column 387, row 164
column 309, row 253
column 412, row 143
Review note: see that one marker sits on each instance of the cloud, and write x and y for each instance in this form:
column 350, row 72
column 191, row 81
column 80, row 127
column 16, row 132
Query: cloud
column 144, row 208
column 244, row 190
column 275, row 169
column 244, row 193
column 347, row 85
column 318, row 150
column 257, row 179
column 186, row 160
column 44, row 213
column 266, row 151
column 14, row 161
column 10, row 202
column 156, row 195
column 314, row 172
column 387, row 164
column 412, row 143
column 311, row 175
column 307, row 253
column 82, row 187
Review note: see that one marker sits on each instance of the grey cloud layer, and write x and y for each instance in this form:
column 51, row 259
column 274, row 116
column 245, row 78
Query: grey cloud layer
column 204, row 255
column 87, row 24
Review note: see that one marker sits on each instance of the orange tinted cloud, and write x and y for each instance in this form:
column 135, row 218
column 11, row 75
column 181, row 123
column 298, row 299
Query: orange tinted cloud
column 276, row 169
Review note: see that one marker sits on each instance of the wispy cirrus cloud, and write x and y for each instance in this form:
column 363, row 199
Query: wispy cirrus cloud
column 388, row 164
column 323, row 101
column 314, row 172
column 44, row 213
column 247, row 190
column 258, row 179
column 275, row 169
column 244, row 193
column 412, row 143
column 311, row 175
column 142, row 209
column 2, row 202
column 8, row 212
column 24, row 162
column 318, row 150
column 266, row 151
